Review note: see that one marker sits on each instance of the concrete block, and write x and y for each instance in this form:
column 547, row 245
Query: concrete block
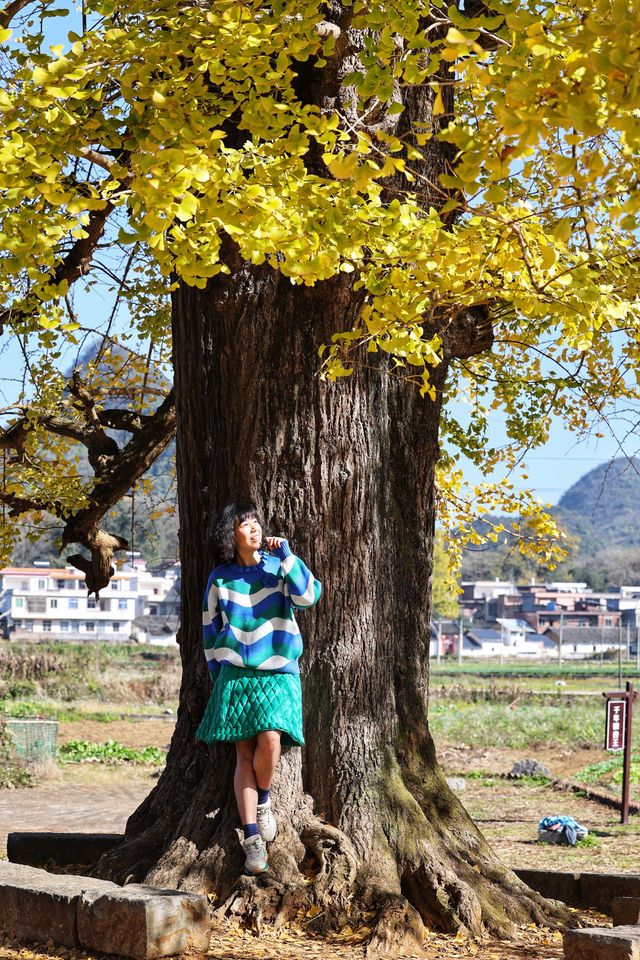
column 143, row 922
column 552, row 836
column 625, row 911
column 553, row 884
column 43, row 906
column 598, row 890
column 60, row 848
column 602, row 943
column 456, row 783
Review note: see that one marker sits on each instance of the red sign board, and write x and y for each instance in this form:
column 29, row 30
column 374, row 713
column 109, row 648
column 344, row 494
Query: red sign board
column 616, row 721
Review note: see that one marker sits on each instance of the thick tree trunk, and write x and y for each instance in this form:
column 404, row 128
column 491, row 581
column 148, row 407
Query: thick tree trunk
column 368, row 825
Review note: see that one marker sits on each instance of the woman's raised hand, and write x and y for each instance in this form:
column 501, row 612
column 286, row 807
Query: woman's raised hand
column 274, row 542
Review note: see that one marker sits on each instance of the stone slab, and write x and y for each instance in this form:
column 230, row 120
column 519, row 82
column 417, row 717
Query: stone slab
column 60, row 848
column 43, row 906
column 602, row 943
column 456, row 783
column 625, row 911
column 553, row 884
column 598, row 890
column 143, row 922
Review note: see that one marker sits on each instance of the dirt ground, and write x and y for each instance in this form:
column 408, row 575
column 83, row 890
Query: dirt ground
column 229, row 942
column 507, row 812
column 131, row 733
column 97, row 797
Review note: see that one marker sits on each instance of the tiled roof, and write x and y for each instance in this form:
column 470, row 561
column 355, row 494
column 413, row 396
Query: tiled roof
column 58, row 573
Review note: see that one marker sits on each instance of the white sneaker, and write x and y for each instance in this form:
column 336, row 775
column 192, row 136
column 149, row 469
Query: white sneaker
column 267, row 826
column 255, row 855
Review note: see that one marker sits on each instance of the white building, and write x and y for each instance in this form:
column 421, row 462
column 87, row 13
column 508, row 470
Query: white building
column 158, row 592
column 47, row 602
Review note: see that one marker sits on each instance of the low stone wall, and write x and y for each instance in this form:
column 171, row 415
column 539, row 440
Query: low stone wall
column 602, row 943
column 132, row 921
column 62, row 849
column 591, row 890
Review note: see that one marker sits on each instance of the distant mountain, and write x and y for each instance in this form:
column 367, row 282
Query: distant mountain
column 603, row 507
column 601, row 514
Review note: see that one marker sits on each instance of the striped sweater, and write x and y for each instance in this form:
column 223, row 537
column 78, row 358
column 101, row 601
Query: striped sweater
column 247, row 615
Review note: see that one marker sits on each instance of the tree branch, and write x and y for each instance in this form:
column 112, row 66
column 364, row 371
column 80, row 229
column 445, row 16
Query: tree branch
column 15, row 438
column 111, row 485
column 76, row 263
column 18, row 505
column 116, row 471
column 10, row 11
column 129, row 420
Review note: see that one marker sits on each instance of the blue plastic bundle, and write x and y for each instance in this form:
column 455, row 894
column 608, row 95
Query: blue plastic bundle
column 561, row 830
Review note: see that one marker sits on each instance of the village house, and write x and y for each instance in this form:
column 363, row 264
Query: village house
column 585, row 641
column 44, row 602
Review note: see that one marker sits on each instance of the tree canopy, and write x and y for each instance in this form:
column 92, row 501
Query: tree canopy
column 157, row 133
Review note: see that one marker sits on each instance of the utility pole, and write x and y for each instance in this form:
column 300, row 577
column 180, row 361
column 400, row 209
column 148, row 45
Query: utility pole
column 619, row 653
column 560, row 641
column 439, row 647
column 460, row 641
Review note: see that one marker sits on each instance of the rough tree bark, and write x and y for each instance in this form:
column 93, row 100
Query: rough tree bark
column 368, row 826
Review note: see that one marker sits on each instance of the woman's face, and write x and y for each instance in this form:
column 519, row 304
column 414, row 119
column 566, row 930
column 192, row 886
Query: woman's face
column 248, row 535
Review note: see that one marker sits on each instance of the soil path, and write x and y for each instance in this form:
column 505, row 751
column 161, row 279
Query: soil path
column 70, row 808
column 87, row 798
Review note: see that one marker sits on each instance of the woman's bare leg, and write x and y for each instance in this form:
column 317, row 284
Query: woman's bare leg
column 244, row 781
column 265, row 757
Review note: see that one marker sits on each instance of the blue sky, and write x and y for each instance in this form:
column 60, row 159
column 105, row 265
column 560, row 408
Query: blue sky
column 560, row 463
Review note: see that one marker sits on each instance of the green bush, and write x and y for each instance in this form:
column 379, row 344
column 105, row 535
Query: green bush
column 610, row 771
column 22, row 688
column 81, row 751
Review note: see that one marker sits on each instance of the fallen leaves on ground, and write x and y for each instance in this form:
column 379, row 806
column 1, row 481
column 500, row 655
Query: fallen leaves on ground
column 230, row 941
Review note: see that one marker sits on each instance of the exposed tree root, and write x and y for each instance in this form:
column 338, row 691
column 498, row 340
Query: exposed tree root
column 416, row 861
column 317, row 880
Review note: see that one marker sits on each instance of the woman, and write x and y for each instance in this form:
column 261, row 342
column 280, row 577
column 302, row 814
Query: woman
column 252, row 645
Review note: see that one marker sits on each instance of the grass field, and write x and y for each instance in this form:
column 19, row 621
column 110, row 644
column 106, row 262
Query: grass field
column 87, row 681
column 584, row 675
column 526, row 707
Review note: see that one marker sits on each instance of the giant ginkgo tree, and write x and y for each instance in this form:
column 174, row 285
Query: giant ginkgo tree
column 362, row 212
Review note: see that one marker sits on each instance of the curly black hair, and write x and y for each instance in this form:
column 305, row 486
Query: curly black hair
column 224, row 531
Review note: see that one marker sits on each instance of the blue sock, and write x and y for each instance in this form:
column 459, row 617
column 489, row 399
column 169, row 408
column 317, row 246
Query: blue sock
column 263, row 796
column 250, row 830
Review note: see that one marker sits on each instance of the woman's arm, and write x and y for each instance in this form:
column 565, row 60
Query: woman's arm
column 211, row 626
column 304, row 589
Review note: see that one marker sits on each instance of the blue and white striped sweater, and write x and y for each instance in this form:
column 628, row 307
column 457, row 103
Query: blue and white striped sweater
column 248, row 616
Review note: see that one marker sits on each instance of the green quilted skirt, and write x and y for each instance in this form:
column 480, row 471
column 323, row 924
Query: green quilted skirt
column 245, row 702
